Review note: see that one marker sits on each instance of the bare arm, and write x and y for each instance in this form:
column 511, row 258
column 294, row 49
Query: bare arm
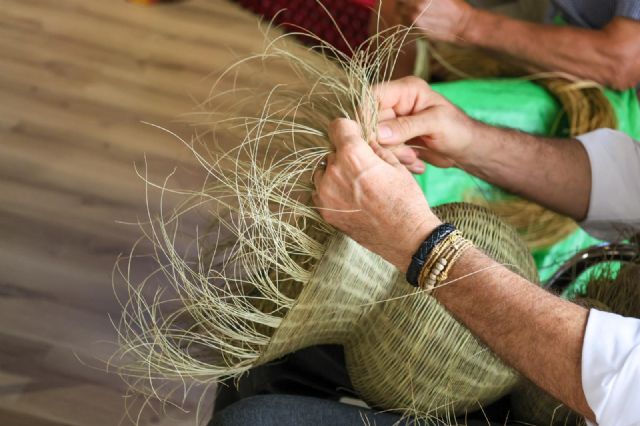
column 553, row 172
column 538, row 334
column 609, row 56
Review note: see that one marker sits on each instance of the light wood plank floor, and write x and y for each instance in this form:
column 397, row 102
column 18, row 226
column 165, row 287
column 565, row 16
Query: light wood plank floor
column 77, row 77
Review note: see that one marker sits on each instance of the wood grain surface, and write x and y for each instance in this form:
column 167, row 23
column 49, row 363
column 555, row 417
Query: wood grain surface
column 77, row 80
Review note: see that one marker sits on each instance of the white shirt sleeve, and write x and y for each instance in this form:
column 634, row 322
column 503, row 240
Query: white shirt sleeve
column 614, row 206
column 611, row 368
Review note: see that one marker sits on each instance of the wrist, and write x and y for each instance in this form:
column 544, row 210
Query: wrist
column 477, row 150
column 474, row 27
column 415, row 239
column 467, row 21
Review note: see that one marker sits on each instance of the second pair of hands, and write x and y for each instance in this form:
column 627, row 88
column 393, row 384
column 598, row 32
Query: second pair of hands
column 367, row 190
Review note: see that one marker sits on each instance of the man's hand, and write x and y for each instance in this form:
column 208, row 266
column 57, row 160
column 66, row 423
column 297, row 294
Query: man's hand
column 369, row 195
column 437, row 132
column 410, row 112
column 444, row 20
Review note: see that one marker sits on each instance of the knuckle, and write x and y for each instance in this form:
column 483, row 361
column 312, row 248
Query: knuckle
column 351, row 151
column 441, row 115
column 405, row 125
column 344, row 124
column 412, row 80
column 336, row 128
column 344, row 131
column 337, row 122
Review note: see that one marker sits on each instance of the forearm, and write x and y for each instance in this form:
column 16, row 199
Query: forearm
column 536, row 333
column 555, row 173
column 581, row 52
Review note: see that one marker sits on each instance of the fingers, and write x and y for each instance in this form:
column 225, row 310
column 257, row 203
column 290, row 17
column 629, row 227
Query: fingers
column 386, row 114
column 319, row 171
column 432, row 157
column 317, row 202
column 316, row 176
column 408, row 157
column 343, row 132
column 385, row 154
column 417, row 167
column 330, row 159
column 405, row 108
column 404, row 128
column 405, row 154
column 404, row 96
column 413, row 164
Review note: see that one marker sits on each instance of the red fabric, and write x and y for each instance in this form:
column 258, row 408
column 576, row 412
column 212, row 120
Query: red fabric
column 351, row 16
column 366, row 3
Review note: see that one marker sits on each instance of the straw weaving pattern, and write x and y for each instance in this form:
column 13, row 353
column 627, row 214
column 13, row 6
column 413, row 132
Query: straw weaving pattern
column 407, row 353
column 268, row 276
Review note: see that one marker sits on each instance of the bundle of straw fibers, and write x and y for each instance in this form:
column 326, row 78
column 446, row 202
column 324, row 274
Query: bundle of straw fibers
column 284, row 279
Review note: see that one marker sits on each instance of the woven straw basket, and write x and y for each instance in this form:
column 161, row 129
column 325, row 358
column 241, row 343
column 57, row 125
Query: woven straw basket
column 407, row 352
column 290, row 280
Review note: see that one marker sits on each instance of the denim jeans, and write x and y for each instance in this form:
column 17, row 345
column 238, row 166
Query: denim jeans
column 304, row 387
column 290, row 410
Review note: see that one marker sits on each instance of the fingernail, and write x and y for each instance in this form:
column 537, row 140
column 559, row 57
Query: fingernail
column 384, row 132
column 419, row 168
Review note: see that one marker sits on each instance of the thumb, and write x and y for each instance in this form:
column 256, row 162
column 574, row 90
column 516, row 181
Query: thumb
column 343, row 132
column 402, row 129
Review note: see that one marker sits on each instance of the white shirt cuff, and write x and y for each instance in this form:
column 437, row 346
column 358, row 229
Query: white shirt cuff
column 614, row 205
column 611, row 368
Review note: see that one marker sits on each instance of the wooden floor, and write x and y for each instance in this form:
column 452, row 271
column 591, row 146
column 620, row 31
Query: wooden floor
column 77, row 78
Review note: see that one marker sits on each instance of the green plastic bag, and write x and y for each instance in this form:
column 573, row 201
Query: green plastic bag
column 526, row 106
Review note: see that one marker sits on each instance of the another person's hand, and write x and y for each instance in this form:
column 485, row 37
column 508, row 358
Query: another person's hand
column 443, row 20
column 415, row 122
column 369, row 195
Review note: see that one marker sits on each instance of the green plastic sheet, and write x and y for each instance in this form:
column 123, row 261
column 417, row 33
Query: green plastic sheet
column 526, row 106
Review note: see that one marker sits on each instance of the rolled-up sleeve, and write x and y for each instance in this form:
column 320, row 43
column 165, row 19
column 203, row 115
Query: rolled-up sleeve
column 628, row 9
column 614, row 206
column 611, row 368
